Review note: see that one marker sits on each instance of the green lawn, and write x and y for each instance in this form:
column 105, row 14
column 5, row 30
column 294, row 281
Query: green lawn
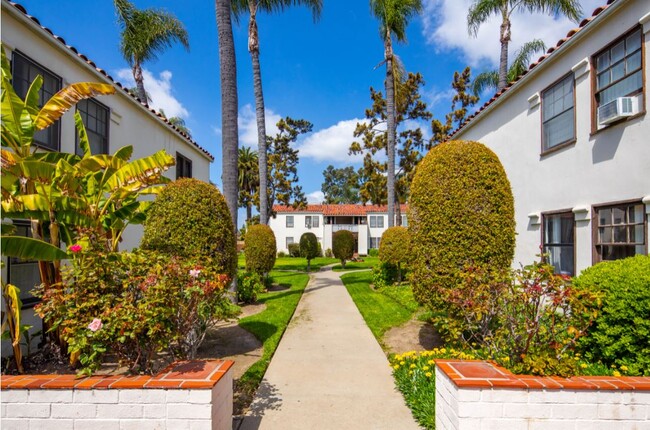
column 367, row 263
column 268, row 326
column 382, row 309
column 294, row 263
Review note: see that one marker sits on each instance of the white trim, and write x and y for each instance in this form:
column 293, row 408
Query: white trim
column 581, row 69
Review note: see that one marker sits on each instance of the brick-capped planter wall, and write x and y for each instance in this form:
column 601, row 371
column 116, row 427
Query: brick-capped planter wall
column 186, row 395
column 477, row 395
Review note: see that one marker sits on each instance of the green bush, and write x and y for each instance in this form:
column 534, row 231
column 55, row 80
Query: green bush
column 461, row 212
column 309, row 247
column 395, row 248
column 343, row 245
column 329, row 253
column 259, row 249
column 384, row 274
column 282, row 254
column 373, row 252
column 134, row 305
column 294, row 249
column 620, row 335
column 249, row 286
column 190, row 218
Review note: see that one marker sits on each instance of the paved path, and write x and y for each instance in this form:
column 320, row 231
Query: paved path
column 328, row 372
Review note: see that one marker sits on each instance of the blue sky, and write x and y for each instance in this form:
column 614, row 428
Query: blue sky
column 319, row 71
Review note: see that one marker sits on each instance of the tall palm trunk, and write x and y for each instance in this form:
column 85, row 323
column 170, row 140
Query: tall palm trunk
column 504, row 38
column 390, row 123
column 254, row 49
column 229, row 132
column 249, row 212
column 139, row 82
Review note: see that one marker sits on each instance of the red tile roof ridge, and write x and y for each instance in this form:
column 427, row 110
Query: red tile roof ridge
column 337, row 209
column 60, row 39
column 550, row 50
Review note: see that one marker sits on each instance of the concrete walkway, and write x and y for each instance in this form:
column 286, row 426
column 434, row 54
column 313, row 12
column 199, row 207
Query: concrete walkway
column 328, row 372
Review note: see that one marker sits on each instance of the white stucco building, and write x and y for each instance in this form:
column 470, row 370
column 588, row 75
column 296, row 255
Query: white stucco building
column 573, row 135
column 367, row 224
column 111, row 121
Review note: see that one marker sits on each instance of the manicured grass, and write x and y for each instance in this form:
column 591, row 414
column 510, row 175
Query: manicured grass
column 268, row 326
column 367, row 263
column 381, row 309
column 294, row 263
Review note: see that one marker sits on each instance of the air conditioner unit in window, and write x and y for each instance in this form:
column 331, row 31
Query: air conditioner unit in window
column 618, row 108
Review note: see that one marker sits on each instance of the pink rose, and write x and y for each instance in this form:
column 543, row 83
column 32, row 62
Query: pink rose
column 194, row 273
column 95, row 325
column 75, row 248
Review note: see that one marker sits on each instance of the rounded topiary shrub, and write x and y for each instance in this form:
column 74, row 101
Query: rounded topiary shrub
column 343, row 245
column 394, row 248
column 309, row 247
column 259, row 249
column 461, row 212
column 620, row 335
column 190, row 218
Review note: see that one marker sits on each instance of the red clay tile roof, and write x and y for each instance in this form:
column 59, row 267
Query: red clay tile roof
column 22, row 10
column 550, row 50
column 337, row 210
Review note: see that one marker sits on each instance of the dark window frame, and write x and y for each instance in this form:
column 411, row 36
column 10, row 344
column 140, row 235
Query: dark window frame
column 107, row 136
column 597, row 248
column 29, row 302
column 311, row 221
column 544, row 149
column 566, row 213
column 379, row 219
column 183, row 165
column 288, row 224
column 56, row 127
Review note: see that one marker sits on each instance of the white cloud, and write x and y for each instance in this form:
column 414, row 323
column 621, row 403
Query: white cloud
column 247, row 122
column 332, row 143
column 316, row 197
column 160, row 90
column 445, row 26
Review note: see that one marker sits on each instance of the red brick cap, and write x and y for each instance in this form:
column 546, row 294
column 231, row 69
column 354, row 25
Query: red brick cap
column 195, row 374
column 484, row 374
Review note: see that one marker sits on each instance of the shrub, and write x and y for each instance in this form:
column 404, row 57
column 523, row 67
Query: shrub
column 309, row 247
column 461, row 212
column 134, row 305
column 373, row 252
column 249, row 285
column 260, row 249
column 383, row 275
column 395, row 248
column 190, row 218
column 329, row 253
column 343, row 245
column 620, row 335
column 282, row 254
column 294, row 249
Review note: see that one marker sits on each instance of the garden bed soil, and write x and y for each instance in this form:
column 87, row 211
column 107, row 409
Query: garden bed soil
column 413, row 336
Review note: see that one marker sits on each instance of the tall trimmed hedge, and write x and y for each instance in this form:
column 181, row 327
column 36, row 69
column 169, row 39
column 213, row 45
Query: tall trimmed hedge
column 190, row 218
column 394, row 248
column 620, row 335
column 309, row 247
column 343, row 245
column 461, row 212
column 259, row 249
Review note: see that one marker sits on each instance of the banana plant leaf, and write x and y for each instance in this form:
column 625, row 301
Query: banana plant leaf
column 62, row 101
column 139, row 172
column 27, row 248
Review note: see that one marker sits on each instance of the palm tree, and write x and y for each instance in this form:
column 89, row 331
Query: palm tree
column 240, row 7
column 145, row 34
column 490, row 79
column 482, row 10
column 229, row 130
column 393, row 16
column 177, row 122
column 248, row 179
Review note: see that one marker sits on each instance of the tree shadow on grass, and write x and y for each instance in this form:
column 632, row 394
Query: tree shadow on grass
column 262, row 330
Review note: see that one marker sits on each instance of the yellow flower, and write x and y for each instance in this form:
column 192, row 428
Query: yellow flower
column 431, row 362
column 583, row 365
column 616, row 373
column 396, row 366
column 410, row 372
column 425, row 368
column 428, row 374
column 402, row 363
column 623, row 368
column 412, row 366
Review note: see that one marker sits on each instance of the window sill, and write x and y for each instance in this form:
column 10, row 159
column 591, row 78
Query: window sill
column 557, row 148
column 617, row 123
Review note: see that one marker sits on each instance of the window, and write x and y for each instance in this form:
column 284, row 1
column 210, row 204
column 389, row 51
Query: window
column 404, row 222
column 23, row 73
column 23, row 273
column 376, row 221
column 374, row 242
column 311, row 221
column 289, row 241
column 558, row 116
column 619, row 69
column 289, row 223
column 621, row 231
column 183, row 166
column 95, row 117
column 559, row 242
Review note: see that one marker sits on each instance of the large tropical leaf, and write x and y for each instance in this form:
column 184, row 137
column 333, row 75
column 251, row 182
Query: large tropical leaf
column 124, row 153
column 68, row 97
column 84, row 144
column 140, row 172
column 27, row 248
column 37, row 171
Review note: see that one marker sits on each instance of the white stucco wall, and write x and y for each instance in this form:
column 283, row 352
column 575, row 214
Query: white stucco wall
column 608, row 166
column 281, row 231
